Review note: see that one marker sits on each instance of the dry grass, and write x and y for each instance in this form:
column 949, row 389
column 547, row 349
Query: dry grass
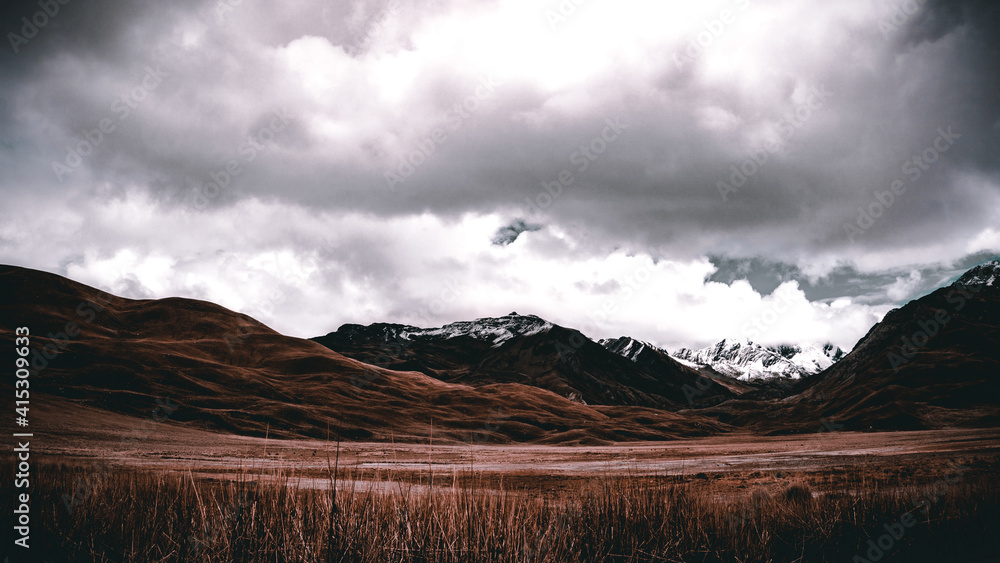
column 129, row 515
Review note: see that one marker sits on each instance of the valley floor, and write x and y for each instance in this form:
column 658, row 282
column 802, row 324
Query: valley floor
column 729, row 464
column 111, row 487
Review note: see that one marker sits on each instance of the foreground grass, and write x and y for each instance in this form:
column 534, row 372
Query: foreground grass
column 88, row 514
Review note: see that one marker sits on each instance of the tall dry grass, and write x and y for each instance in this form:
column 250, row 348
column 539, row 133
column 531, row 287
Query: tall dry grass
column 130, row 515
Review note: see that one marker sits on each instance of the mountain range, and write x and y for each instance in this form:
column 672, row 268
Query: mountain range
column 934, row 362
column 747, row 361
column 529, row 351
column 230, row 373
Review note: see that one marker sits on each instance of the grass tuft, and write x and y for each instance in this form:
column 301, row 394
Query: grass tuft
column 130, row 515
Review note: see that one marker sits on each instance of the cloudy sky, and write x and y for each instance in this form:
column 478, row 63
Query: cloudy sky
column 680, row 172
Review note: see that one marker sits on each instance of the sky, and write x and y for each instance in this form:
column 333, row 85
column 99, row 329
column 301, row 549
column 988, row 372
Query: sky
column 679, row 172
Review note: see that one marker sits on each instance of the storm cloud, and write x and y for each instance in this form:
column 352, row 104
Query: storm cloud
column 325, row 162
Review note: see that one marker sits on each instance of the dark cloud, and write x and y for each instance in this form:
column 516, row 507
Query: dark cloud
column 509, row 233
column 596, row 132
column 659, row 179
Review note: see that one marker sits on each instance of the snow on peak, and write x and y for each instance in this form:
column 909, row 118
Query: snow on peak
column 495, row 330
column 983, row 274
column 746, row 360
column 626, row 346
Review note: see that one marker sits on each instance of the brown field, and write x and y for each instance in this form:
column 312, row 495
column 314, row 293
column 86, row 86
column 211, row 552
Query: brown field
column 177, row 493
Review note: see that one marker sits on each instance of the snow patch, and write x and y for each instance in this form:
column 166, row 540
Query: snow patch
column 496, row 330
column 746, row 360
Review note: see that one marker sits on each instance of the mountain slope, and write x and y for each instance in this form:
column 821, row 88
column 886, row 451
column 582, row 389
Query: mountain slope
column 933, row 362
column 529, row 351
column 659, row 360
column 228, row 372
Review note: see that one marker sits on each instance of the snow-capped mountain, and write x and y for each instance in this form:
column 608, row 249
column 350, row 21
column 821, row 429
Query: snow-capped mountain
column 495, row 330
column 746, row 360
column 492, row 330
column 628, row 347
column 983, row 274
column 527, row 350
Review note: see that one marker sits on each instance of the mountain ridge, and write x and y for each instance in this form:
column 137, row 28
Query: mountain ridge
column 746, row 360
column 931, row 363
column 546, row 355
column 229, row 373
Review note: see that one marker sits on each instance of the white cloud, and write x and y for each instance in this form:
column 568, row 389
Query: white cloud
column 903, row 288
column 304, row 273
column 308, row 236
